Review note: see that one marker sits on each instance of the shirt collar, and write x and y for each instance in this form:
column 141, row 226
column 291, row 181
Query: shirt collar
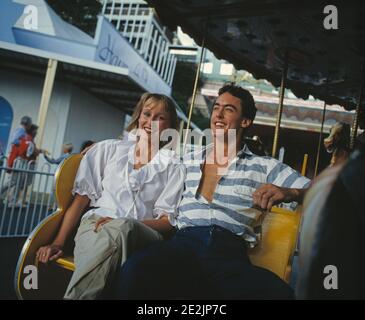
column 244, row 151
column 160, row 161
column 240, row 154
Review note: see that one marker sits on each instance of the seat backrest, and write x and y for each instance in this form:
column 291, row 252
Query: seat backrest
column 276, row 249
column 64, row 180
column 47, row 229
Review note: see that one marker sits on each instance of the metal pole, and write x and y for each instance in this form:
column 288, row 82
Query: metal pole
column 304, row 166
column 46, row 96
column 194, row 92
column 320, row 139
column 281, row 103
column 181, row 129
column 355, row 123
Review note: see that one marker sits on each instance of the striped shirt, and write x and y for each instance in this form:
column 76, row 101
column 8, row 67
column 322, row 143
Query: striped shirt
column 232, row 203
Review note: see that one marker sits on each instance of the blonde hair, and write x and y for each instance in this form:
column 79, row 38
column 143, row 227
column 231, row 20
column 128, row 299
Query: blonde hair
column 154, row 98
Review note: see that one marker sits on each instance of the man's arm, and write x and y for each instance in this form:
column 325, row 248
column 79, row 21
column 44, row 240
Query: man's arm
column 268, row 195
column 53, row 161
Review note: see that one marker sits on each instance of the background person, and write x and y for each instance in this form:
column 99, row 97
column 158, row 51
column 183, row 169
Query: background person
column 66, row 152
column 24, row 155
column 25, row 123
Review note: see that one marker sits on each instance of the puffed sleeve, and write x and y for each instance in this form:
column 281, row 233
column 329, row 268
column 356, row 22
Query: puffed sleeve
column 90, row 174
column 168, row 201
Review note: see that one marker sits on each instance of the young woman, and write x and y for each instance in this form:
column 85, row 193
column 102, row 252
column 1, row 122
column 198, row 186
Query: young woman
column 130, row 187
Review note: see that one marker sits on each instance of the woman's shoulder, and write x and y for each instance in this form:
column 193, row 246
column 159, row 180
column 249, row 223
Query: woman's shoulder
column 172, row 162
column 116, row 143
column 110, row 148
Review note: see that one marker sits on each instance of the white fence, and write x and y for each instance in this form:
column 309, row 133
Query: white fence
column 26, row 196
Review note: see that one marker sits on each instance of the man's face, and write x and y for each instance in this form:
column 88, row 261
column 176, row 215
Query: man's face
column 228, row 114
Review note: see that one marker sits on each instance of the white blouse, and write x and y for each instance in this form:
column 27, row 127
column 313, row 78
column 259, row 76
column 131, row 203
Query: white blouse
column 106, row 175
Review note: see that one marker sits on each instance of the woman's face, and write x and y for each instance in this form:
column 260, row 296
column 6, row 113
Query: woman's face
column 153, row 113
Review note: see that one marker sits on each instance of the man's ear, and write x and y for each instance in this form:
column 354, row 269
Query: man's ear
column 245, row 123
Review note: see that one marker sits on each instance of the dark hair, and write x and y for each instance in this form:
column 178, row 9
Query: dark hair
column 86, row 144
column 247, row 101
column 26, row 121
column 32, row 129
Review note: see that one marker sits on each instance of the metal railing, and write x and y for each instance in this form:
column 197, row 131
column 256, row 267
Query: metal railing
column 26, row 196
column 138, row 25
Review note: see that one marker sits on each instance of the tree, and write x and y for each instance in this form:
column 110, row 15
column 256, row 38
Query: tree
column 82, row 13
column 182, row 89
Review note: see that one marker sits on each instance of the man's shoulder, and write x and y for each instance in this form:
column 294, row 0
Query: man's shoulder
column 260, row 160
column 193, row 152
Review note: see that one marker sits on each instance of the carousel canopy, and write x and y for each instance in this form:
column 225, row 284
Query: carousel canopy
column 257, row 35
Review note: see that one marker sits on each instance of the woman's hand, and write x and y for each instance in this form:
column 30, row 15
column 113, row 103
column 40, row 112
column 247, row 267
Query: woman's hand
column 49, row 253
column 101, row 222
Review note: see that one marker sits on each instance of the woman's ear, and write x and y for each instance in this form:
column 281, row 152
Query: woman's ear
column 245, row 123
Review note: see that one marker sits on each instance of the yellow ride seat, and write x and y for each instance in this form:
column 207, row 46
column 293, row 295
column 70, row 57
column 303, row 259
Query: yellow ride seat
column 274, row 252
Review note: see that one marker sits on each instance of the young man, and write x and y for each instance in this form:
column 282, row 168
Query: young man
column 220, row 207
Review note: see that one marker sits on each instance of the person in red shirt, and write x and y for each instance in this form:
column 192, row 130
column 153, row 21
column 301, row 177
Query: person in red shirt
column 25, row 154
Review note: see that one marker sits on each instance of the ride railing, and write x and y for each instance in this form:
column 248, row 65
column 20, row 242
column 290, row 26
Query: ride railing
column 26, row 196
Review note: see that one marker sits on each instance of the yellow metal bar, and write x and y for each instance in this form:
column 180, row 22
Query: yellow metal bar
column 280, row 108
column 304, row 165
column 66, row 263
column 320, row 139
column 46, row 97
column 194, row 93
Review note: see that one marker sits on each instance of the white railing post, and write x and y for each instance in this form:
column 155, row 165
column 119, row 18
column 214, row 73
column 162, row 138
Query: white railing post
column 154, row 40
column 158, row 52
column 112, row 11
column 147, row 39
column 104, row 7
column 162, row 56
column 166, row 54
column 171, row 77
column 165, row 75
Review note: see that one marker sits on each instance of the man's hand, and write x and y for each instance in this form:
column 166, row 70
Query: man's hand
column 268, row 195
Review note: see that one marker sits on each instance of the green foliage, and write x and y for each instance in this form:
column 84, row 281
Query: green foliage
column 182, row 90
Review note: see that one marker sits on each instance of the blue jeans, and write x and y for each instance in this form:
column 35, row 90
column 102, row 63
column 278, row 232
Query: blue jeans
column 198, row 263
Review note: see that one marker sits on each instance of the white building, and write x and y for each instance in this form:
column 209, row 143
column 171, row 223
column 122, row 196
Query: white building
column 97, row 81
